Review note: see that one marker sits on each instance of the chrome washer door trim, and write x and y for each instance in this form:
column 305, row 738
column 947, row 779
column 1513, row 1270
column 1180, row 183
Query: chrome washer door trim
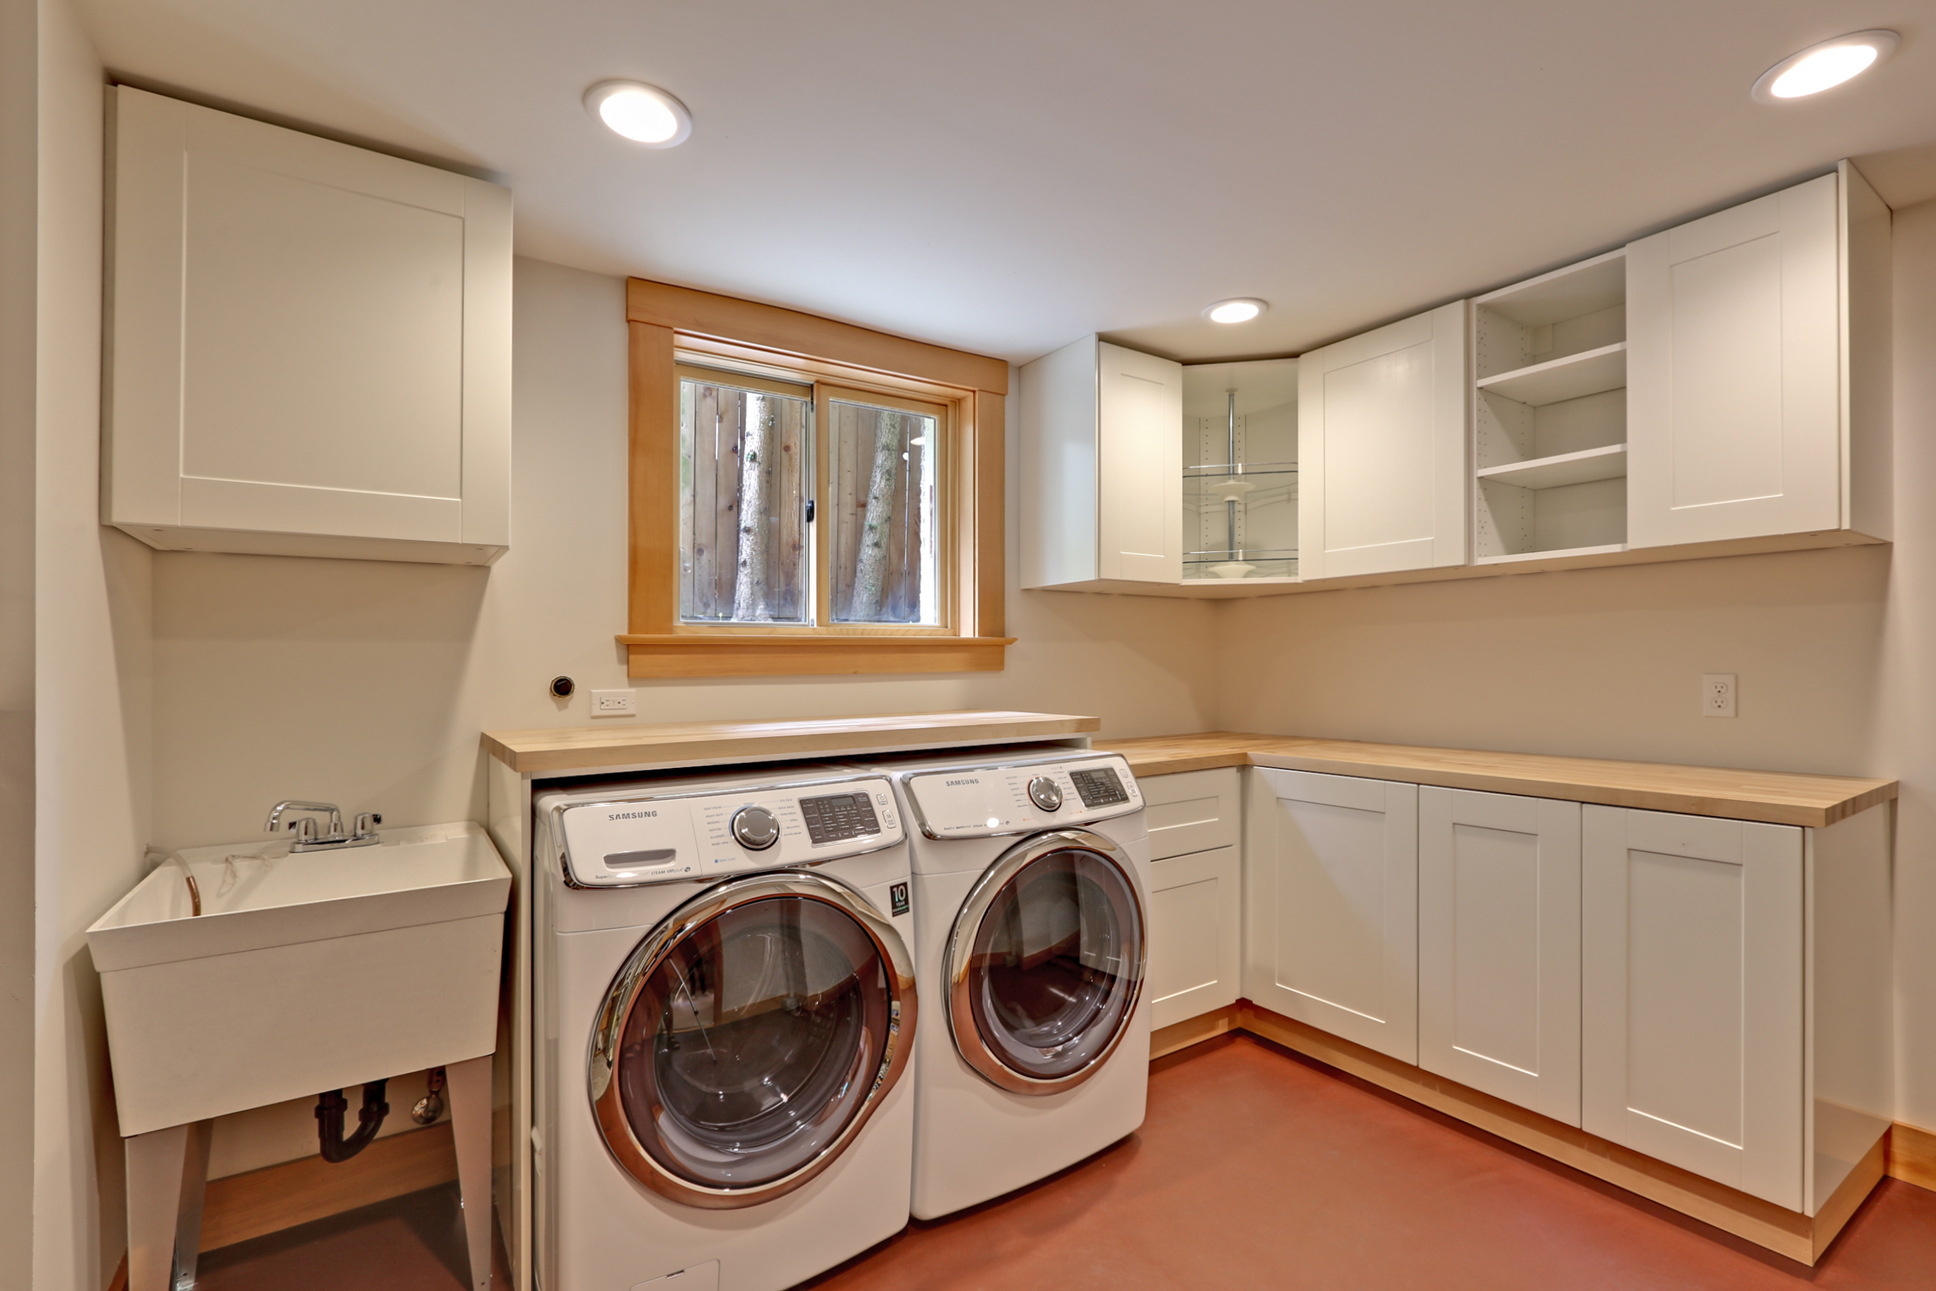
column 969, row 1041
column 615, row 1128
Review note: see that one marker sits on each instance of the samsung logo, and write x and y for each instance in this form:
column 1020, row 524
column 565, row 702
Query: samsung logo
column 630, row 815
column 955, row 782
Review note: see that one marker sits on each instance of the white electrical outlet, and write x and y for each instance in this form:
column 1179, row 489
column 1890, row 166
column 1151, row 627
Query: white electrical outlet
column 1717, row 694
column 615, row 703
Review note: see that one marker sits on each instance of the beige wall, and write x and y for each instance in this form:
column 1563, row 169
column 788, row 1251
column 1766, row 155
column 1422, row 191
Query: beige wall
column 19, row 227
column 1836, row 653
column 366, row 683
column 91, row 687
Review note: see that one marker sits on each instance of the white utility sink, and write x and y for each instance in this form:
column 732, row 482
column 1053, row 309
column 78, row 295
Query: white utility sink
column 304, row 972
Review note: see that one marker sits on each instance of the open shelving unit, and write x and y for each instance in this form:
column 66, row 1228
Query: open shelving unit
column 1549, row 362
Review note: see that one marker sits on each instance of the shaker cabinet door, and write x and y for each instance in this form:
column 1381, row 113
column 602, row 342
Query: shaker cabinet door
column 311, row 344
column 1382, row 449
column 1734, row 391
column 1139, row 428
column 1499, row 946
column 1691, row 1001
column 1331, row 897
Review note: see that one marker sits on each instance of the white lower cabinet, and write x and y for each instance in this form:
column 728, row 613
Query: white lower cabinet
column 1692, row 995
column 1331, row 925
column 1196, row 893
column 1194, row 934
column 1499, row 946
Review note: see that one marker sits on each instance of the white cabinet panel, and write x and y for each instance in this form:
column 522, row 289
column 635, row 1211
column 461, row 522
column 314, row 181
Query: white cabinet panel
column 1191, row 811
column 311, row 344
column 1140, row 415
column 1692, row 987
column 1195, row 932
column 1499, row 946
column 1102, row 467
column 1331, row 866
column 1382, row 449
column 1736, row 403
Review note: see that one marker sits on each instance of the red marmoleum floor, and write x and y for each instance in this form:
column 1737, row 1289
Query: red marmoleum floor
column 1254, row 1169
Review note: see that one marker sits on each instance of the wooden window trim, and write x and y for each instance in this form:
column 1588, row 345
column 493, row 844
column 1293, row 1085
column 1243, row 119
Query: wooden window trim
column 670, row 325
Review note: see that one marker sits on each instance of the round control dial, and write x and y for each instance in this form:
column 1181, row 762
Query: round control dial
column 756, row 828
column 1045, row 793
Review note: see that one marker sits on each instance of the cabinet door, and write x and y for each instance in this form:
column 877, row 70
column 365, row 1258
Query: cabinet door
column 1195, row 930
column 1734, row 408
column 310, row 341
column 1499, row 946
column 1691, row 1000
column 1331, row 870
column 1140, row 440
column 1382, row 449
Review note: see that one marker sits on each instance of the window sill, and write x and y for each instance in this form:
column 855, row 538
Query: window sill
column 736, row 654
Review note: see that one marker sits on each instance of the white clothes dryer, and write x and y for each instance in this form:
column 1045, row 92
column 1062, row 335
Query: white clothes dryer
column 724, row 1010
column 1031, row 929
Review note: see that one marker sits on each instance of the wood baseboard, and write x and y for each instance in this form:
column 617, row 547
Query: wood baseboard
column 1796, row 1236
column 275, row 1197
column 1912, row 1155
column 1181, row 1035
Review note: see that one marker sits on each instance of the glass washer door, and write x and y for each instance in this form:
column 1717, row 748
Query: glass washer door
column 746, row 1041
column 1046, row 963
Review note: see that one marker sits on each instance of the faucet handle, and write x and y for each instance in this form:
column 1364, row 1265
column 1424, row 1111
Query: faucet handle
column 366, row 823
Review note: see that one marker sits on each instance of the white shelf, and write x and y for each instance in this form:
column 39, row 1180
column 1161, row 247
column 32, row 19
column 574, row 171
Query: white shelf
column 1602, row 549
column 1578, row 289
column 1557, row 472
column 1556, row 380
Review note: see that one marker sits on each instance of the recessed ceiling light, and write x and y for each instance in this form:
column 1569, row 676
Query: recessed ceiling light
column 1240, row 310
column 1824, row 66
column 642, row 113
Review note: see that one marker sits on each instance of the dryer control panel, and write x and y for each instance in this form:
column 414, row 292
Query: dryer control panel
column 627, row 842
column 978, row 802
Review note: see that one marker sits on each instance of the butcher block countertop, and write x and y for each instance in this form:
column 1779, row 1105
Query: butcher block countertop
column 1778, row 797
column 579, row 750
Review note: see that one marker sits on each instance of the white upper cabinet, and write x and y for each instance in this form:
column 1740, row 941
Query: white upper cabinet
column 1102, row 467
column 311, row 344
column 1382, row 449
column 1758, row 364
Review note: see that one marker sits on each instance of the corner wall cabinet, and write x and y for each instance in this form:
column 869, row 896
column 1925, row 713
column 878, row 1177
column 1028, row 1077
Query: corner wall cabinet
column 311, row 344
column 1102, row 468
column 1196, row 881
column 1720, row 388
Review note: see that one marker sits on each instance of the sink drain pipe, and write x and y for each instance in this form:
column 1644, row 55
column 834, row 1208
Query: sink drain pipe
column 330, row 1107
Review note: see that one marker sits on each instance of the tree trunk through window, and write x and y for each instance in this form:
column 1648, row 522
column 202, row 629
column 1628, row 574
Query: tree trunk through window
column 749, row 588
column 878, row 520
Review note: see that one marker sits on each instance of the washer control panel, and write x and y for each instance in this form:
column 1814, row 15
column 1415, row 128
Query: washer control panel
column 982, row 801
column 627, row 842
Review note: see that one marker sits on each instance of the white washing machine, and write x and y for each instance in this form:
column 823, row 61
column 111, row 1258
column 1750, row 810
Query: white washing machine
column 724, row 1010
column 1031, row 928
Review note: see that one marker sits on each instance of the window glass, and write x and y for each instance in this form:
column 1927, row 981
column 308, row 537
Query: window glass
column 884, row 545
column 743, row 487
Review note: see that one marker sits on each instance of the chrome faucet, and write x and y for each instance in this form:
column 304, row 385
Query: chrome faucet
column 302, row 820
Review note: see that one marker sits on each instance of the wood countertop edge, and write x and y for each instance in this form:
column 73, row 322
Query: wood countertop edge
column 1542, row 776
column 568, row 750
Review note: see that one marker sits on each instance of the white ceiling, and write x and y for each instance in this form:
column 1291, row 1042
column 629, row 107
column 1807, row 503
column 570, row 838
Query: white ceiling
column 1008, row 175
